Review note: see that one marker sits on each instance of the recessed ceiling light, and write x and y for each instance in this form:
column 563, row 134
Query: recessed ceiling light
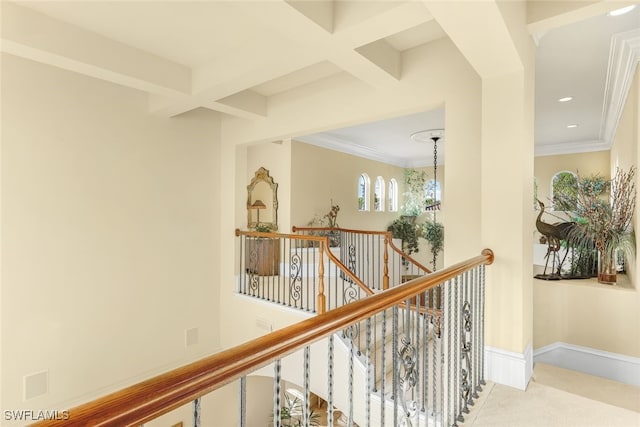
column 565, row 99
column 622, row 10
column 572, row 126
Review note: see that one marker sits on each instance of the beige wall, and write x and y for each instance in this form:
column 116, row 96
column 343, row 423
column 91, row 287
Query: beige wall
column 589, row 315
column 321, row 176
column 109, row 235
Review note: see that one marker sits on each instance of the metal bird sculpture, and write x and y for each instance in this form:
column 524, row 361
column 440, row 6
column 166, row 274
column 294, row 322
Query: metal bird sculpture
column 555, row 234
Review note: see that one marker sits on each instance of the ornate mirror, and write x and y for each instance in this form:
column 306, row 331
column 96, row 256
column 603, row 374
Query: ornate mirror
column 262, row 201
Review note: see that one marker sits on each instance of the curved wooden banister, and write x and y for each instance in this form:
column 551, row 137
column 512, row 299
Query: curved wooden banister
column 154, row 397
column 408, row 257
column 388, row 234
column 348, row 272
column 346, row 230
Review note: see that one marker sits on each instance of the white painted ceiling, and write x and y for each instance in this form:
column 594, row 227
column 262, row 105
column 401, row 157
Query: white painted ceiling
column 233, row 56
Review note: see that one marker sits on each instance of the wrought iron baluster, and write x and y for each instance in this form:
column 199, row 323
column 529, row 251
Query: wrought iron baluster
column 394, row 351
column 330, row 385
column 276, row 393
column 306, row 410
column 369, row 365
column 196, row 413
column 243, row 401
column 351, row 357
column 482, row 297
column 476, row 332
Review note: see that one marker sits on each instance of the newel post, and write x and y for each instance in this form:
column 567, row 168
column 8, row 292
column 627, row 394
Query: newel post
column 385, row 274
column 322, row 304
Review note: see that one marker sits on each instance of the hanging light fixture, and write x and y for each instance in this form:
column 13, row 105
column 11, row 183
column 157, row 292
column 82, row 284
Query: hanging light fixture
column 432, row 135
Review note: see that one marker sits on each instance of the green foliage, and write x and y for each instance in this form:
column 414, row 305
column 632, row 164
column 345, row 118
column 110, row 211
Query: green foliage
column 405, row 230
column 292, row 413
column 414, row 200
column 433, row 232
column 565, row 192
column 263, row 228
column 605, row 223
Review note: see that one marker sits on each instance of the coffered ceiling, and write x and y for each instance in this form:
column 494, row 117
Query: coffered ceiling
column 233, row 56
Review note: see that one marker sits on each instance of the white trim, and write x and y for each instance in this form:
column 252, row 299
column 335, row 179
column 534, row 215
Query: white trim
column 623, row 59
column 570, row 148
column 507, row 367
column 614, row 366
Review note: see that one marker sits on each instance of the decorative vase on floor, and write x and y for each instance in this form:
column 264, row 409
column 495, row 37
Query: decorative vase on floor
column 607, row 272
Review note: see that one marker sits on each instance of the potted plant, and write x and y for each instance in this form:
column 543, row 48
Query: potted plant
column 292, row 414
column 414, row 197
column 433, row 232
column 605, row 224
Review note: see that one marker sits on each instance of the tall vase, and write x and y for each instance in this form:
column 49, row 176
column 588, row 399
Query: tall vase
column 607, row 271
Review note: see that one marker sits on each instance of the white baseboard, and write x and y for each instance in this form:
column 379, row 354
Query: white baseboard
column 507, row 367
column 614, row 366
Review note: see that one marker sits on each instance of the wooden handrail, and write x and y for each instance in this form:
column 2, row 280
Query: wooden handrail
column 369, row 232
column 154, row 397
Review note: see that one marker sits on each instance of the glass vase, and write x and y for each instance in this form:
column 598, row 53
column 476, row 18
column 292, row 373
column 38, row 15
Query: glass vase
column 607, row 271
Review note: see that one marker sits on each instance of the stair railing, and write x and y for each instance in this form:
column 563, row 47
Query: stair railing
column 432, row 380
column 297, row 271
column 370, row 255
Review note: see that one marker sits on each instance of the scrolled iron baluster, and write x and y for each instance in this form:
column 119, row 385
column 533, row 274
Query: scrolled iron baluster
column 465, row 381
column 350, row 294
column 295, row 284
column 476, row 316
column 407, row 372
column 352, row 258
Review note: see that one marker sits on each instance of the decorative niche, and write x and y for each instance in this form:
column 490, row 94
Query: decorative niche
column 262, row 201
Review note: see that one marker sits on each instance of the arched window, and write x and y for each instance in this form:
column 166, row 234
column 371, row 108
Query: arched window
column 378, row 195
column 363, row 192
column 432, row 194
column 393, row 195
column 564, row 191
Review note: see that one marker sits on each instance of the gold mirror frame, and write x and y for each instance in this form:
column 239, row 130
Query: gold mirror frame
column 262, row 176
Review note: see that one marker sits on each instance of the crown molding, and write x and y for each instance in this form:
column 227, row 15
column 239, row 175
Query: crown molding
column 571, row 148
column 332, row 142
column 623, row 60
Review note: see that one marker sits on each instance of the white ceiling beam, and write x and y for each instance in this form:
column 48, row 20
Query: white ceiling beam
column 392, row 21
column 319, row 11
column 384, row 56
column 299, row 28
column 479, row 30
column 247, row 101
column 38, row 37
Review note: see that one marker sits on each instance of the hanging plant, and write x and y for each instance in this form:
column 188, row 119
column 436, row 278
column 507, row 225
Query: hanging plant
column 406, row 231
column 433, row 232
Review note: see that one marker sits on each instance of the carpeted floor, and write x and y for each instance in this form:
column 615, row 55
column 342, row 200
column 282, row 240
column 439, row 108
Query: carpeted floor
column 559, row 397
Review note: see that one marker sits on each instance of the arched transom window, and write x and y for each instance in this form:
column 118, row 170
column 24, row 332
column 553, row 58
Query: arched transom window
column 364, row 185
column 393, row 195
column 378, row 195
